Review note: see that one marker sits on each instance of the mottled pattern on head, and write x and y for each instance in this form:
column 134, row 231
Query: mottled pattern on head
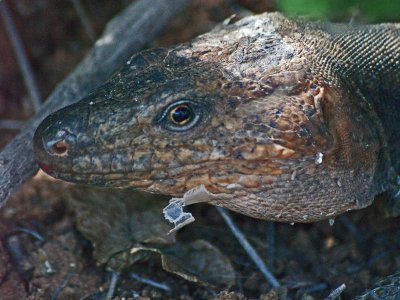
column 258, row 117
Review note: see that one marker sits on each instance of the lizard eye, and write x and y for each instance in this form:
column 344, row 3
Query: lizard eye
column 181, row 116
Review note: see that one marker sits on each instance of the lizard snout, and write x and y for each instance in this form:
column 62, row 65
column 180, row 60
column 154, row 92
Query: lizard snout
column 56, row 137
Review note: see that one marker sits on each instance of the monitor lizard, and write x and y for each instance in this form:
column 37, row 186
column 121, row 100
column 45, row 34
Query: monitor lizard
column 275, row 118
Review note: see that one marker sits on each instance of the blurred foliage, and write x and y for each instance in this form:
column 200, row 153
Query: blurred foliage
column 371, row 11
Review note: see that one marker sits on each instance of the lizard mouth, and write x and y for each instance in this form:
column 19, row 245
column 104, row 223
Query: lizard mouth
column 216, row 175
column 99, row 179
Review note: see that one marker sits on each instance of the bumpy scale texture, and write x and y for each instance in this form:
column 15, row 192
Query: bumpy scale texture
column 282, row 120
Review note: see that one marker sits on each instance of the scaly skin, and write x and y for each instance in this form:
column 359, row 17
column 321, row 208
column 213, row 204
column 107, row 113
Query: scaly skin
column 290, row 121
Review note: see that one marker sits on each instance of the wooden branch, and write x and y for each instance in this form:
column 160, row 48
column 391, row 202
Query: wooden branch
column 128, row 32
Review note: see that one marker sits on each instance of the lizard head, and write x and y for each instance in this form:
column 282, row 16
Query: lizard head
column 235, row 110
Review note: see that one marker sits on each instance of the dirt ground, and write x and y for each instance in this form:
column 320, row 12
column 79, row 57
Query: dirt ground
column 45, row 254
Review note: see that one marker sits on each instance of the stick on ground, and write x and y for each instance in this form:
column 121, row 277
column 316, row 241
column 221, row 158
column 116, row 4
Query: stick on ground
column 248, row 248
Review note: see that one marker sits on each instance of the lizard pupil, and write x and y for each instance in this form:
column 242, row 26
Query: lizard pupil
column 181, row 114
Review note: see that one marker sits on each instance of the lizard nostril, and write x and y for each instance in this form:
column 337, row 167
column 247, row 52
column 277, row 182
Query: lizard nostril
column 60, row 145
column 60, row 148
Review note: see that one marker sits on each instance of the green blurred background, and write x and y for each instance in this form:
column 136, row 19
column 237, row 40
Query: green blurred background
column 359, row 11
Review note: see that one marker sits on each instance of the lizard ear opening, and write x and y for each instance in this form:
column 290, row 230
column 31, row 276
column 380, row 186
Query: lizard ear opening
column 357, row 139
